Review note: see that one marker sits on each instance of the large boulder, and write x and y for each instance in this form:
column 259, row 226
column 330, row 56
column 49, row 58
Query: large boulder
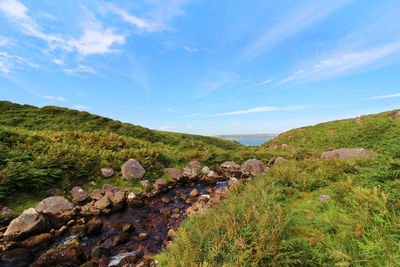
column 254, row 166
column 103, row 203
column 132, row 170
column 94, row 226
column 346, row 153
column 117, row 198
column 195, row 165
column 109, row 188
column 160, row 183
column 28, row 222
column 66, row 255
column 57, row 209
column 173, row 173
column 205, row 170
column 107, row 172
column 230, row 165
column 276, row 160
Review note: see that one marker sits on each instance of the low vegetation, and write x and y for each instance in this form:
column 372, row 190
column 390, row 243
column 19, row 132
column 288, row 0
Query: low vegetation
column 307, row 211
column 42, row 148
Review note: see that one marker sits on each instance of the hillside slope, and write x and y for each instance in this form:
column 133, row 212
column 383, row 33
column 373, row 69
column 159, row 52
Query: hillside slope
column 378, row 132
column 307, row 211
column 42, row 148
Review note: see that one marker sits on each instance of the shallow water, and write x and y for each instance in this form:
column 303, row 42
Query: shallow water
column 147, row 219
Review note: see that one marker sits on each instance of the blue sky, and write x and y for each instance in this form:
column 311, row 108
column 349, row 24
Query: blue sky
column 204, row 67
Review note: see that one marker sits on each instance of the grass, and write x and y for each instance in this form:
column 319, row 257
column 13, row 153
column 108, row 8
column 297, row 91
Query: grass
column 277, row 220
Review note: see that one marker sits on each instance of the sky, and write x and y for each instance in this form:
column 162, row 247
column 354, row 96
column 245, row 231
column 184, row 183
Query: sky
column 205, row 67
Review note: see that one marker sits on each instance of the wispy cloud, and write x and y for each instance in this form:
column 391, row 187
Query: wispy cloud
column 8, row 63
column 189, row 126
column 79, row 70
column 385, row 96
column 218, row 80
column 262, row 83
column 166, row 128
column 5, row 41
column 344, row 62
column 190, row 50
column 259, row 109
column 193, row 115
column 81, row 107
column 296, row 19
column 58, row 98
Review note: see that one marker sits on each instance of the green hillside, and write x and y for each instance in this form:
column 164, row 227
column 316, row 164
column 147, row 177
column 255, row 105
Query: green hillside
column 378, row 132
column 52, row 147
column 278, row 219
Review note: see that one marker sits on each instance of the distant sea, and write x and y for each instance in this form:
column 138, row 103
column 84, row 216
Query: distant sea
column 252, row 142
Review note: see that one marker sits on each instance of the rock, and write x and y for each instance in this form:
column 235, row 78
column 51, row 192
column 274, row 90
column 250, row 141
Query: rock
column 394, row 115
column 89, row 264
column 160, row 183
column 103, row 203
column 230, row 165
column 142, row 236
column 94, row 226
column 211, row 174
column 16, row 254
column 96, row 194
column 28, row 222
column 205, row 170
column 266, row 169
column 195, row 165
column 132, row 170
column 66, row 255
column 171, row 233
column 37, row 241
column 6, row 210
column 133, row 200
column 173, row 173
column 131, row 259
column 98, row 253
column 117, row 198
column 166, row 213
column 276, row 160
column 284, row 146
column 54, row 192
column 78, row 195
column 57, row 209
column 92, row 183
column 145, row 183
column 189, row 173
column 127, row 227
column 61, row 231
column 119, row 239
column 194, row 193
column 360, row 121
column 324, row 198
column 345, row 153
column 109, row 188
column 254, row 166
column 107, row 172
column 165, row 200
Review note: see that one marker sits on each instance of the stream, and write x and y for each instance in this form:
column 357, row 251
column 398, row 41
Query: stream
column 150, row 222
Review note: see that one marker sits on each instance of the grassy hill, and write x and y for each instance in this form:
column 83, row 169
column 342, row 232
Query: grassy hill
column 278, row 219
column 378, row 132
column 53, row 147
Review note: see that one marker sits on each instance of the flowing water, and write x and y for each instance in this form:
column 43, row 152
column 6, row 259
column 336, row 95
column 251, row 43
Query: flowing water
column 149, row 221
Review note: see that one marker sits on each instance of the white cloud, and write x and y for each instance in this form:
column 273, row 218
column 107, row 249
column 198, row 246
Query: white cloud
column 263, row 83
column 189, row 126
column 5, row 41
column 193, row 115
column 190, row 50
column 235, row 123
column 58, row 61
column 13, row 8
column 96, row 41
column 166, row 127
column 345, row 62
column 8, row 62
column 298, row 18
column 81, row 107
column 80, row 69
column 259, row 109
column 58, row 98
column 385, row 96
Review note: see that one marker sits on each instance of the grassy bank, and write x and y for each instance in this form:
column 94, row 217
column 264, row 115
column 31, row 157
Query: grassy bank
column 277, row 219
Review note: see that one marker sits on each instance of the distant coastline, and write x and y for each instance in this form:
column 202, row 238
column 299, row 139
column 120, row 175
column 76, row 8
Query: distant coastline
column 246, row 136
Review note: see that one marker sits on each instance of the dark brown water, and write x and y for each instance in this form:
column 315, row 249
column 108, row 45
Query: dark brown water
column 150, row 224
